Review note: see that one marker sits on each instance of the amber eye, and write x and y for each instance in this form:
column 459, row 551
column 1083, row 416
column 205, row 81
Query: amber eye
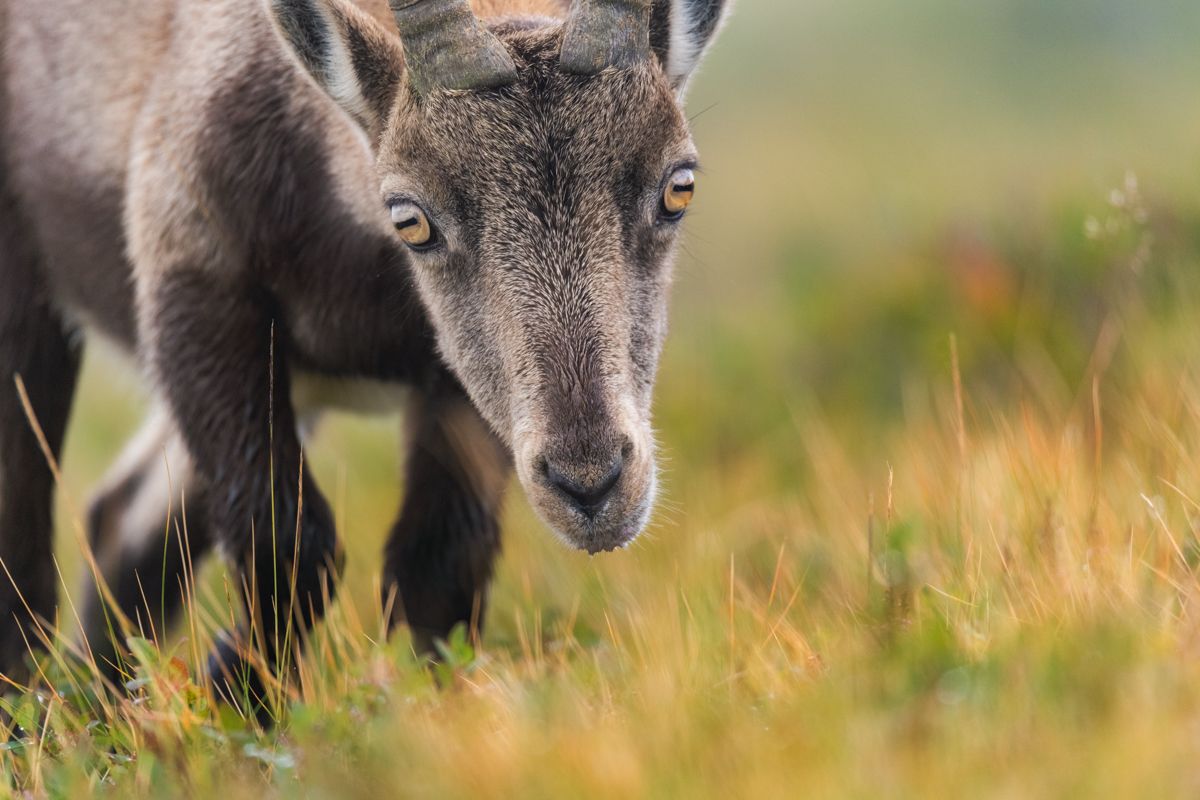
column 678, row 193
column 413, row 225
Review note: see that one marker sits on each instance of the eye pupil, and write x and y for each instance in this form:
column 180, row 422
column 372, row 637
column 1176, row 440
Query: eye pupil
column 412, row 224
column 679, row 192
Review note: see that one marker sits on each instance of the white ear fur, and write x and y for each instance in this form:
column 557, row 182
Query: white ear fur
column 318, row 34
column 693, row 26
column 341, row 81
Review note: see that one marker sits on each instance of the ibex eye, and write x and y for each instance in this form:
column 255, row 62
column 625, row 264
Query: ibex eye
column 678, row 193
column 413, row 225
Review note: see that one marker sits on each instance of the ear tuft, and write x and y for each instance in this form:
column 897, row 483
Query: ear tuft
column 348, row 54
column 681, row 32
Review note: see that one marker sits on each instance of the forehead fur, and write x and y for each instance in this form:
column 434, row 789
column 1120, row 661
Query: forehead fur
column 584, row 125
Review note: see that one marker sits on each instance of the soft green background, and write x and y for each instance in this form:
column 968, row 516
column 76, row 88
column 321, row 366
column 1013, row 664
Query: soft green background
column 877, row 175
column 1014, row 614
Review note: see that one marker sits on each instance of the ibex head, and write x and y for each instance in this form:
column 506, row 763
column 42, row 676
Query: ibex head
column 537, row 172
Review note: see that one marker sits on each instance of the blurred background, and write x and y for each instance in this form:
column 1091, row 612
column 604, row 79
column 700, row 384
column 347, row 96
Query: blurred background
column 930, row 443
column 877, row 178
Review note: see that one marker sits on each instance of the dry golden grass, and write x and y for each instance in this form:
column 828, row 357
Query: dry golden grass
column 995, row 598
column 890, row 562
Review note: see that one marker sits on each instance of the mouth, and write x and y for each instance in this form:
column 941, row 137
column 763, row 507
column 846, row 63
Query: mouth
column 599, row 542
column 595, row 493
column 603, row 542
column 612, row 527
column 596, row 546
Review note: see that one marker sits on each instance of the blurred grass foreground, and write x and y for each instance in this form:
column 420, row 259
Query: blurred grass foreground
column 931, row 421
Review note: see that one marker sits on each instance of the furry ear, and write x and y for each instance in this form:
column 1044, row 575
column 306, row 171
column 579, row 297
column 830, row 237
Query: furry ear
column 681, row 31
column 351, row 56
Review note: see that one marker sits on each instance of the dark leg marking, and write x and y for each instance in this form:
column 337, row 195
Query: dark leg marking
column 219, row 359
column 35, row 345
column 440, row 555
column 146, row 560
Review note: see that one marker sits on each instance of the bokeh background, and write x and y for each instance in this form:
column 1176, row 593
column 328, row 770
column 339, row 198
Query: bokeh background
column 932, row 239
column 876, row 177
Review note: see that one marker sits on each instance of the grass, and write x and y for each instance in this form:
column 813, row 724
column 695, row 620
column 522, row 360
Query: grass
column 1001, row 598
column 932, row 451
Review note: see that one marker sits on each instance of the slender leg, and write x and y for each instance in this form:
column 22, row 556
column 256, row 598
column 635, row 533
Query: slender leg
column 142, row 541
column 218, row 357
column 35, row 346
column 441, row 551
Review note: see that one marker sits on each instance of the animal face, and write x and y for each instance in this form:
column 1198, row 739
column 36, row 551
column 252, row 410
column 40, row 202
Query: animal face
column 541, row 215
column 545, row 268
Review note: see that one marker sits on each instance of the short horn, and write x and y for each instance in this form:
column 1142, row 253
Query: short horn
column 446, row 47
column 606, row 33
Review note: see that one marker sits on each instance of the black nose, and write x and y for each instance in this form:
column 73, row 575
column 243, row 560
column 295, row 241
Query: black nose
column 587, row 496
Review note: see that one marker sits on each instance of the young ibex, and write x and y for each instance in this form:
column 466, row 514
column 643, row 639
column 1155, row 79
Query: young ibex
column 274, row 204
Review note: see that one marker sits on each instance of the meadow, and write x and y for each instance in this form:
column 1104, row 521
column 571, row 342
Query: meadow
column 930, row 429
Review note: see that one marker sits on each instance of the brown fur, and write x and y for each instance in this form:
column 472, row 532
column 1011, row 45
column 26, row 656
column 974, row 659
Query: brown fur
column 209, row 187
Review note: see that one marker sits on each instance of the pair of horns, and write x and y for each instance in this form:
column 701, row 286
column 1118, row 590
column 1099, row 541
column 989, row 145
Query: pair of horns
column 446, row 47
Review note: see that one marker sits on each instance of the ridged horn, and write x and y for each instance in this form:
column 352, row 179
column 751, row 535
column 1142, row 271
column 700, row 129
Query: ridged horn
column 606, row 33
column 445, row 47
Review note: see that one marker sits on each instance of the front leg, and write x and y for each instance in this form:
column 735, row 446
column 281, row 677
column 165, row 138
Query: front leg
column 217, row 353
column 442, row 548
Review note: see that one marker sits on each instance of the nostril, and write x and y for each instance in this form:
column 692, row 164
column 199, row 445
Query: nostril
column 588, row 497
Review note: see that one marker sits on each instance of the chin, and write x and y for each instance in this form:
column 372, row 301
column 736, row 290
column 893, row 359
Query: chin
column 615, row 528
